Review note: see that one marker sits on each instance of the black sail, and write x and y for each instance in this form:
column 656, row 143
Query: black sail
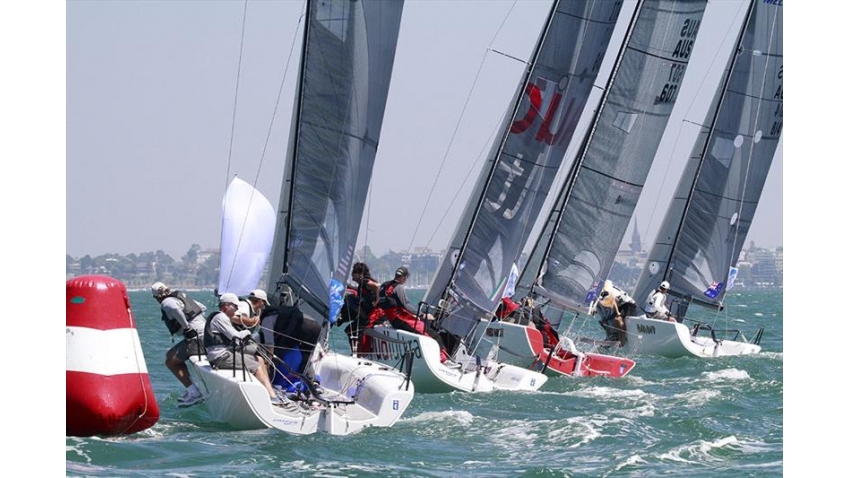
column 346, row 67
column 591, row 215
column 710, row 215
column 522, row 164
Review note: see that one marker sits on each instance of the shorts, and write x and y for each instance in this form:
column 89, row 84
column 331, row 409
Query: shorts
column 185, row 349
column 228, row 360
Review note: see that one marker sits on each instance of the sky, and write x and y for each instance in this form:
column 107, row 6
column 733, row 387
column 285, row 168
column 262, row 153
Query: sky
column 153, row 138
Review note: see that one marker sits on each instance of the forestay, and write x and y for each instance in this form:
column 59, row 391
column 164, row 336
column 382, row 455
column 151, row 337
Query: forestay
column 710, row 215
column 523, row 161
column 346, row 66
column 590, row 217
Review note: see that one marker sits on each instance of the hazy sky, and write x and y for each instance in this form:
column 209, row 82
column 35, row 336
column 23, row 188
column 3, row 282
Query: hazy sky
column 151, row 87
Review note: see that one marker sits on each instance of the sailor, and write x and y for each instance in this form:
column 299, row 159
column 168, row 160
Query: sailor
column 227, row 348
column 401, row 314
column 614, row 305
column 185, row 316
column 289, row 335
column 360, row 302
column 656, row 303
column 258, row 300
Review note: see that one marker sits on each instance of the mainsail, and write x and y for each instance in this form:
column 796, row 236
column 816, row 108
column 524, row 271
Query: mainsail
column 247, row 230
column 346, row 64
column 523, row 162
column 589, row 219
column 710, row 215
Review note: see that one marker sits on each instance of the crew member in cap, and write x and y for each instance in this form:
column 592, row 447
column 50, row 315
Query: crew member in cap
column 401, row 313
column 221, row 339
column 185, row 316
column 656, row 303
column 258, row 300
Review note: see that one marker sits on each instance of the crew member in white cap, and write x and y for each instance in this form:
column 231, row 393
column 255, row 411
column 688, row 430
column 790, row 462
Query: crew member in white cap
column 221, row 338
column 259, row 300
column 656, row 303
column 185, row 316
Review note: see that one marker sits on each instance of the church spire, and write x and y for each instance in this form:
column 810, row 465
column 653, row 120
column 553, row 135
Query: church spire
column 635, row 246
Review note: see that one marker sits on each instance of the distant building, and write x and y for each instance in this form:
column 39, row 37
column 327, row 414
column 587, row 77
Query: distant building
column 635, row 245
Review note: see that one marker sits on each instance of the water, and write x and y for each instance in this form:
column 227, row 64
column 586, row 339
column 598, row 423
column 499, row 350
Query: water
column 682, row 416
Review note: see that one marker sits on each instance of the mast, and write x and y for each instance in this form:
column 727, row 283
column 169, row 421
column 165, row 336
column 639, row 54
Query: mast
column 521, row 166
column 505, row 134
column 711, row 128
column 719, row 190
column 297, row 129
column 566, row 188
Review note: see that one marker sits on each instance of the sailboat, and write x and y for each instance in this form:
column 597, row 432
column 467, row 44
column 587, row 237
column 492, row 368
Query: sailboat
column 346, row 64
column 505, row 202
column 588, row 220
column 709, row 217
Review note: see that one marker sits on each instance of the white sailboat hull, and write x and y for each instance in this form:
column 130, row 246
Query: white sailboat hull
column 361, row 394
column 522, row 345
column 430, row 376
column 672, row 339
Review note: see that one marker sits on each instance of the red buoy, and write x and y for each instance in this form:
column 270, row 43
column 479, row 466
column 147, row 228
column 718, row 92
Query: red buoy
column 107, row 388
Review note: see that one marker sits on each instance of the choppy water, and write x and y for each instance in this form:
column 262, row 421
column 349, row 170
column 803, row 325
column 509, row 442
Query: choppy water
column 682, row 416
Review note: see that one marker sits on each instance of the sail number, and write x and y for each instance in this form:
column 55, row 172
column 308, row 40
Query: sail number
column 682, row 52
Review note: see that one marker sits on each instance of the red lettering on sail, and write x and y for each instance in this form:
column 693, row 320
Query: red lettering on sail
column 536, row 100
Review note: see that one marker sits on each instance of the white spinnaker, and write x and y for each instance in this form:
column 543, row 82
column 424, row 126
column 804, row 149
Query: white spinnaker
column 247, row 230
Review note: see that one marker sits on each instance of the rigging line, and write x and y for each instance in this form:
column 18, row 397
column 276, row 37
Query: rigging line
column 457, row 127
column 279, row 96
column 265, row 144
column 472, row 168
column 233, row 117
column 236, row 94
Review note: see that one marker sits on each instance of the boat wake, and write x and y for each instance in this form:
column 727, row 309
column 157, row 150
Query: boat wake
column 700, row 451
column 727, row 374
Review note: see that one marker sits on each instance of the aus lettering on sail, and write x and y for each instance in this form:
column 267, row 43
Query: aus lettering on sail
column 682, row 53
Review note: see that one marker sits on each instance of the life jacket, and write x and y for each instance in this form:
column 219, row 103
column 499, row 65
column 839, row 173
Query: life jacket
column 550, row 335
column 191, row 309
column 506, row 308
column 394, row 309
column 214, row 338
column 387, row 298
column 649, row 307
column 357, row 304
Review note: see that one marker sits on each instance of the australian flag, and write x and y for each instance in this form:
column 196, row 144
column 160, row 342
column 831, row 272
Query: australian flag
column 592, row 293
column 714, row 290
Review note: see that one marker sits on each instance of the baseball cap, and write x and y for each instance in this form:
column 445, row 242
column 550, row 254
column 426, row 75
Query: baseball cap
column 229, row 298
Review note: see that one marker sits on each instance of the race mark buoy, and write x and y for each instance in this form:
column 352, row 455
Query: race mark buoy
column 107, row 388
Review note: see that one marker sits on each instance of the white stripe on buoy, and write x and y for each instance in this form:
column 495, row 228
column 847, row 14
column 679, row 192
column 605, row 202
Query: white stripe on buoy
column 87, row 349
